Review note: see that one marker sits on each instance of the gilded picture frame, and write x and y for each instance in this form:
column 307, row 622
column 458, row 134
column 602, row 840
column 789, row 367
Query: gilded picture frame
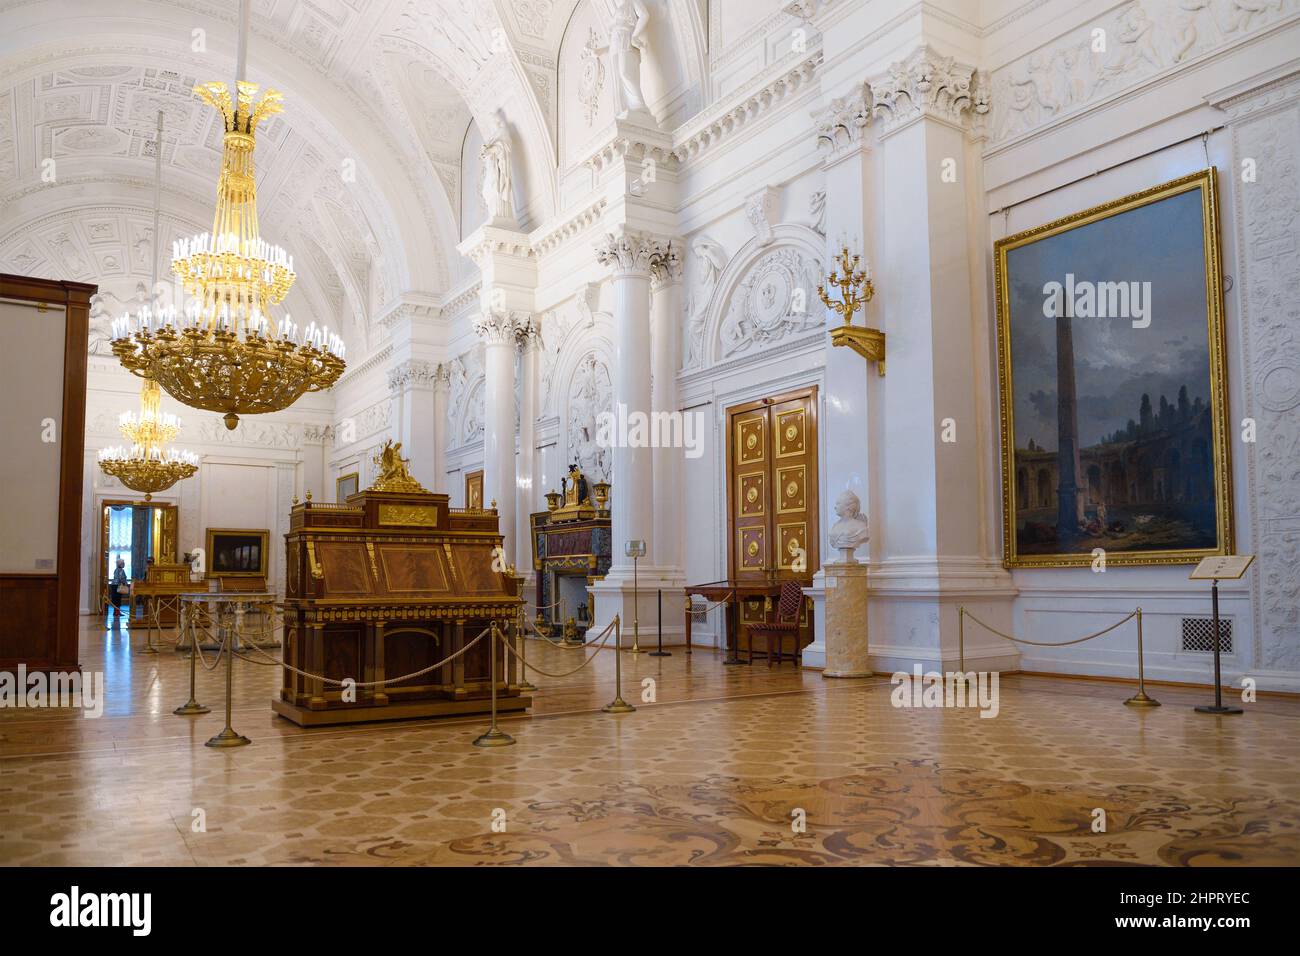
column 1156, row 489
column 474, row 490
column 345, row 485
column 237, row 552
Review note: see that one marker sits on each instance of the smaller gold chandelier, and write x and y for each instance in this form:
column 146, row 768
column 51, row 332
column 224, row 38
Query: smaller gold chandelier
column 147, row 466
column 141, row 470
column 856, row 290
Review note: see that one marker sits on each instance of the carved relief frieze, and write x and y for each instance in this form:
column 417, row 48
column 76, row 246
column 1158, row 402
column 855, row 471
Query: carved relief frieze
column 1126, row 46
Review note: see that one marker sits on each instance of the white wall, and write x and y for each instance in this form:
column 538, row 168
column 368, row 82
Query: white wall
column 1107, row 117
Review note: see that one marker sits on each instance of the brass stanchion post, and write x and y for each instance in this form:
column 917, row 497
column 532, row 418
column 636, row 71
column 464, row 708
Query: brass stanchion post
column 228, row 737
column 494, row 737
column 521, row 628
column 151, row 618
column 961, row 638
column 618, row 705
column 191, row 706
column 1140, row 699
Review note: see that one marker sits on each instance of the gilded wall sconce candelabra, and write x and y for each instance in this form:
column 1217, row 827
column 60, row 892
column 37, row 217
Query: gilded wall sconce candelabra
column 856, row 290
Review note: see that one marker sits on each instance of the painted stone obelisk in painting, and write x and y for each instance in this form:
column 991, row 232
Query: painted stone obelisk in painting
column 1067, row 433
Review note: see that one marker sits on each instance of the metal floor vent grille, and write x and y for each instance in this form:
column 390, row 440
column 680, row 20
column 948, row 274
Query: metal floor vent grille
column 1198, row 634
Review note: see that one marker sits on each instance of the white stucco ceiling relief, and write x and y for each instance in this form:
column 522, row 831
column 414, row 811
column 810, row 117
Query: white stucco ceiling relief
column 363, row 177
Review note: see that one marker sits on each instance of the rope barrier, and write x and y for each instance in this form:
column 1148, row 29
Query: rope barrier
column 197, row 648
column 1140, row 699
column 1087, row 637
column 709, row 607
column 372, row 683
column 569, row 647
column 603, row 640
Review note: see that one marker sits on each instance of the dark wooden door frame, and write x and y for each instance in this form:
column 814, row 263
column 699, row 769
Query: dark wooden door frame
column 61, row 648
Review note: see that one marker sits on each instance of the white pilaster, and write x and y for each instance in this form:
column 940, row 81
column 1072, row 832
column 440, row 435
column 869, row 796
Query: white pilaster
column 411, row 385
column 842, row 130
column 416, row 344
column 441, row 385
column 929, row 552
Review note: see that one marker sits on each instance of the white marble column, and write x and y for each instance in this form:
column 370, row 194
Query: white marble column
column 498, row 331
column 665, row 354
column 526, row 460
column 631, row 256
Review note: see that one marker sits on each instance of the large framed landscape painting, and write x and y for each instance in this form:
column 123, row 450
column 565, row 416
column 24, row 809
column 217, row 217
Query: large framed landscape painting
column 1113, row 391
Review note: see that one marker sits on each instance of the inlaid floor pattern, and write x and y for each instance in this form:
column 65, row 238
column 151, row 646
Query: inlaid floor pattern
column 717, row 772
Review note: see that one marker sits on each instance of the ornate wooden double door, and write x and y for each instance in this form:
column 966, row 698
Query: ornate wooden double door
column 772, row 488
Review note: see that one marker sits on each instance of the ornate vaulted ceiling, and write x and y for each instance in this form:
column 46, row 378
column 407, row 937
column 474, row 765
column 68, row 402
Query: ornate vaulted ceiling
column 359, row 176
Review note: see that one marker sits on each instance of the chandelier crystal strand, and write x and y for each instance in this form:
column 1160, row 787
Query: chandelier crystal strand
column 222, row 352
column 147, row 465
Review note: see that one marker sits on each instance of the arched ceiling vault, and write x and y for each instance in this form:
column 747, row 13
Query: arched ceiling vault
column 359, row 177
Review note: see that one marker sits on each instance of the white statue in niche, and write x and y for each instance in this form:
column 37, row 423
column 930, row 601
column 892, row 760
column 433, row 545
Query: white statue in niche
column 495, row 157
column 850, row 530
column 626, row 42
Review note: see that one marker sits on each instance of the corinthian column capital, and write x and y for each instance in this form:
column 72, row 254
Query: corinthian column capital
column 627, row 252
column 666, row 270
column 928, row 84
column 497, row 326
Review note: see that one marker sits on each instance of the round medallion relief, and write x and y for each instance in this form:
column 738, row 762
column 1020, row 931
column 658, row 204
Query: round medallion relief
column 769, row 300
column 1278, row 387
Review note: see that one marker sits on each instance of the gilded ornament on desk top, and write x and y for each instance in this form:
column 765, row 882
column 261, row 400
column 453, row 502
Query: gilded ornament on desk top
column 424, row 515
column 393, row 472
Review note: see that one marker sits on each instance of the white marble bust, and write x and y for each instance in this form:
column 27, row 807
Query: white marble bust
column 850, row 530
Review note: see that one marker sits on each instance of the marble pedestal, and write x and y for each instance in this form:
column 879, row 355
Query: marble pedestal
column 846, row 620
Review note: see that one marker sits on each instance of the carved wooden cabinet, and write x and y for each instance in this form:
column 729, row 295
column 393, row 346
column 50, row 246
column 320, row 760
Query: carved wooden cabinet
column 385, row 585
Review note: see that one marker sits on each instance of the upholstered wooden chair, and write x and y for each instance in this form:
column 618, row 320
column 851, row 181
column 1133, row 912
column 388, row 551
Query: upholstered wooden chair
column 785, row 625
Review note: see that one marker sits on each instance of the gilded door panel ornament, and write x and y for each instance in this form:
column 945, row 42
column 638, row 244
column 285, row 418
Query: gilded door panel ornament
column 752, row 495
column 790, row 427
column 790, row 481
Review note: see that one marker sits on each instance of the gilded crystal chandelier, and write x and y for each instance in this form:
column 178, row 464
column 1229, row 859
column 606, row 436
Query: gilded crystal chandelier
column 221, row 351
column 148, row 465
